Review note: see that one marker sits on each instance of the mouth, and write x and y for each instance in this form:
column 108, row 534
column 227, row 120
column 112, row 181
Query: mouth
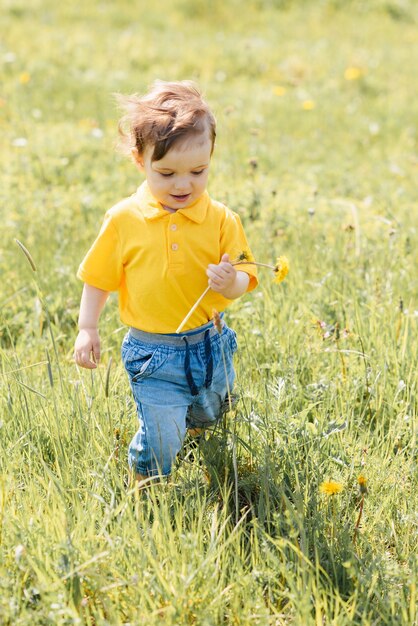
column 181, row 198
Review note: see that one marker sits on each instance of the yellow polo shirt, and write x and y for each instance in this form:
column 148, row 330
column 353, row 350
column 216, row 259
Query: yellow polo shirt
column 157, row 260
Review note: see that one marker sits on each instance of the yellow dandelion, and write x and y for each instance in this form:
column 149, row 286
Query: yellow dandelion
column 281, row 269
column 308, row 105
column 330, row 487
column 279, row 90
column 362, row 481
column 353, row 73
column 24, row 78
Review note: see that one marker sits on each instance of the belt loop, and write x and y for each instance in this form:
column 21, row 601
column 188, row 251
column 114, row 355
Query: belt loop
column 209, row 360
column 192, row 385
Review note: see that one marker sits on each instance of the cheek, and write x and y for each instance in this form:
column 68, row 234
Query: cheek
column 201, row 181
column 158, row 182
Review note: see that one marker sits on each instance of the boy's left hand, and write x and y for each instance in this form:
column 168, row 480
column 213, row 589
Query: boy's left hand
column 222, row 276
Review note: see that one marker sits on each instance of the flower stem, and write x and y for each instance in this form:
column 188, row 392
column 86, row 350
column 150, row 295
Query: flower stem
column 357, row 526
column 192, row 310
column 271, row 267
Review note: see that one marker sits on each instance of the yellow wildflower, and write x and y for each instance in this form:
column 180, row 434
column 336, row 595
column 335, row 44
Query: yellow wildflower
column 308, row 105
column 281, row 269
column 331, row 487
column 362, row 481
column 24, row 78
column 279, row 90
column 353, row 73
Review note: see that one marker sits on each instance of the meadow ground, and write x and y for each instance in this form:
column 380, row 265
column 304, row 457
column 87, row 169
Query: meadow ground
column 317, row 136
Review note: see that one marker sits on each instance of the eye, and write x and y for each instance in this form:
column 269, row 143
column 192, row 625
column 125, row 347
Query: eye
column 198, row 173
column 166, row 175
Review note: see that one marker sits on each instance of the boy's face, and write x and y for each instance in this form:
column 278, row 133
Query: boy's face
column 180, row 177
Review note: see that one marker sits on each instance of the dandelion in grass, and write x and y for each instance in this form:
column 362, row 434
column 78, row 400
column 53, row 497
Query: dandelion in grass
column 308, row 105
column 279, row 90
column 281, row 269
column 362, row 481
column 24, row 78
column 331, row 488
column 353, row 73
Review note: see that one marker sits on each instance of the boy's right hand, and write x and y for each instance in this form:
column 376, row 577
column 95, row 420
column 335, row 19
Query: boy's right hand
column 87, row 344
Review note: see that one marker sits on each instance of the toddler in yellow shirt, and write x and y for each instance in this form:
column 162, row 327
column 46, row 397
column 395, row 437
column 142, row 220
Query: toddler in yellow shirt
column 159, row 249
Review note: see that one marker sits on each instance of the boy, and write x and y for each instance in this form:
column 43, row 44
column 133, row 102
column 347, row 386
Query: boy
column 160, row 249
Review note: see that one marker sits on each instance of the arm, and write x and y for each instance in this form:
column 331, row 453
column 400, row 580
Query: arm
column 226, row 280
column 88, row 340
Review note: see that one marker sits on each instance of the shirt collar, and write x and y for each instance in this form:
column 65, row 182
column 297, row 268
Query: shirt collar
column 152, row 209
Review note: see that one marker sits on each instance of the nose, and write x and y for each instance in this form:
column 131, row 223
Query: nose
column 181, row 183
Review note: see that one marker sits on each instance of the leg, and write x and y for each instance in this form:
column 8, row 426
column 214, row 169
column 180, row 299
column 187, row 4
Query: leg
column 160, row 436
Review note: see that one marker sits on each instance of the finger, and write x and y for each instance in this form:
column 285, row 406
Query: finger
column 83, row 360
column 214, row 286
column 96, row 352
column 214, row 277
column 225, row 258
column 222, row 271
column 89, row 365
column 223, row 265
column 226, row 269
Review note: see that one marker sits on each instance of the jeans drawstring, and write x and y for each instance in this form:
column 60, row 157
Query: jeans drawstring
column 187, row 370
column 209, row 365
column 209, row 360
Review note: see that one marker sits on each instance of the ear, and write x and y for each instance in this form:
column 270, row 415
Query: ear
column 138, row 159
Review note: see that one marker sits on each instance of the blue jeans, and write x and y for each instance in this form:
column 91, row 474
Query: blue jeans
column 178, row 382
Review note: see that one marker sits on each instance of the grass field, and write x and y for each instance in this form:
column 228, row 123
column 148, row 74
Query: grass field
column 317, row 150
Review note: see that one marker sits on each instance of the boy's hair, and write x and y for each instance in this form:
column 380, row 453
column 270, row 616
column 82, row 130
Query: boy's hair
column 169, row 112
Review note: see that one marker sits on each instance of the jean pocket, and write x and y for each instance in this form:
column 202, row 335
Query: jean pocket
column 141, row 361
column 142, row 366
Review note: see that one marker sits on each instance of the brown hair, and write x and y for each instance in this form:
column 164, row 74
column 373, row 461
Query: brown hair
column 169, row 112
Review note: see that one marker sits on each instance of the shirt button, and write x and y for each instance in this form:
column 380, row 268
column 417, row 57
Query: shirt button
column 173, row 227
column 174, row 246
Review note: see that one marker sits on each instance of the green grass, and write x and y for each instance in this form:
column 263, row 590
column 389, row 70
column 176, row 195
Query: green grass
column 241, row 535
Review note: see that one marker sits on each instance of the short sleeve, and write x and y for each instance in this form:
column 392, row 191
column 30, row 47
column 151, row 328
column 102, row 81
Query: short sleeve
column 234, row 243
column 102, row 267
